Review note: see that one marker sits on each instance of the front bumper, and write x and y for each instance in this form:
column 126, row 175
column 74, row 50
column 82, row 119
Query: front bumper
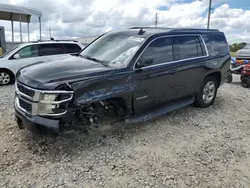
column 36, row 124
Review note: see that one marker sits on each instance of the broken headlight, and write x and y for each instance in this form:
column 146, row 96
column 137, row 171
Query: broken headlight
column 53, row 103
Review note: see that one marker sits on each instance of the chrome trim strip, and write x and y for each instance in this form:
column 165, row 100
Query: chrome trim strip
column 57, row 102
column 35, row 100
column 53, row 115
column 34, row 106
column 167, row 36
column 18, row 105
column 20, row 93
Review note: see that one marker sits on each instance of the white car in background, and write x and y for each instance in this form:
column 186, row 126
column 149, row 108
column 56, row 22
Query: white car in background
column 244, row 53
column 30, row 53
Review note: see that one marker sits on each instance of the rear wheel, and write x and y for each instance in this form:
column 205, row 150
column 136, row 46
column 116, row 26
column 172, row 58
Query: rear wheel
column 207, row 93
column 245, row 82
column 5, row 77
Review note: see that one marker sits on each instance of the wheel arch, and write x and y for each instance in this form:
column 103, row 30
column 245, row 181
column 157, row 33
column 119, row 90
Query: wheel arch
column 216, row 75
column 10, row 72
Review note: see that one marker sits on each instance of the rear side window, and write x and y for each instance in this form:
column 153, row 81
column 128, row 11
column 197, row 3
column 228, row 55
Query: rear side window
column 186, row 47
column 159, row 51
column 219, row 44
column 72, row 48
column 51, row 49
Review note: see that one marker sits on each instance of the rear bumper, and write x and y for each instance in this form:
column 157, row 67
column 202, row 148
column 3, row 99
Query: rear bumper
column 36, row 124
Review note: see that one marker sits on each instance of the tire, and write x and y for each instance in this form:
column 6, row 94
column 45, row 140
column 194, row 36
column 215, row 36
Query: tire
column 6, row 77
column 207, row 92
column 229, row 78
column 245, row 82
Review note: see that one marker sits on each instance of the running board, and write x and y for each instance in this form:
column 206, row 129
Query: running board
column 163, row 110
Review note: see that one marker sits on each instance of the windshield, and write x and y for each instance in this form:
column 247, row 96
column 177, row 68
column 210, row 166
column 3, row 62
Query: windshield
column 8, row 52
column 113, row 49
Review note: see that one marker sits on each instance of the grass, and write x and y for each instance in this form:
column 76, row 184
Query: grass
column 233, row 54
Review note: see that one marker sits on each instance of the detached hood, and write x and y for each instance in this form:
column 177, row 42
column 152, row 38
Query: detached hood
column 48, row 75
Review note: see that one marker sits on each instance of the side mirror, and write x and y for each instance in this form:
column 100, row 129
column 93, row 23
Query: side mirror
column 139, row 64
column 16, row 56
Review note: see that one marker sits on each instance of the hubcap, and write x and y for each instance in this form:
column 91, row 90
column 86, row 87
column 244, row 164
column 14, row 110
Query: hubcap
column 4, row 78
column 209, row 92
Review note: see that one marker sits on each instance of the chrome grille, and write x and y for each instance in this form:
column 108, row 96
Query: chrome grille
column 25, row 90
column 25, row 105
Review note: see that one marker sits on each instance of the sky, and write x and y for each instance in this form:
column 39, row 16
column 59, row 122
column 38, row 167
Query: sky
column 79, row 18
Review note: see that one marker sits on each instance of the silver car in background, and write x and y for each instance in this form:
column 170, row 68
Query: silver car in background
column 30, row 53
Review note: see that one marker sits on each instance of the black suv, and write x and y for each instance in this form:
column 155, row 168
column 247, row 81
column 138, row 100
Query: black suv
column 132, row 75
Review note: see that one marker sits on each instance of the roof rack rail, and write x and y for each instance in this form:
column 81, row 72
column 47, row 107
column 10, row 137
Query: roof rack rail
column 52, row 39
column 183, row 29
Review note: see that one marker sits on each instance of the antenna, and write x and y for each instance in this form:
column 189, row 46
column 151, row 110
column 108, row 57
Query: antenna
column 141, row 32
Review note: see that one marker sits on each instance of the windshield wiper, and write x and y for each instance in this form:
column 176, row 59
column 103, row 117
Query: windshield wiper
column 94, row 59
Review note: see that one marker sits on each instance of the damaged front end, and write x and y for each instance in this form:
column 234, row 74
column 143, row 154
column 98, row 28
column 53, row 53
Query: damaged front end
column 54, row 111
column 41, row 110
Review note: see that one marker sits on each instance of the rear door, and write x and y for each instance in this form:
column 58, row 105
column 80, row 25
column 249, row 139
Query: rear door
column 191, row 54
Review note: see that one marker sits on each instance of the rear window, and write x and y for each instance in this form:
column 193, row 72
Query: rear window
column 219, row 44
column 71, row 48
column 186, row 47
column 51, row 49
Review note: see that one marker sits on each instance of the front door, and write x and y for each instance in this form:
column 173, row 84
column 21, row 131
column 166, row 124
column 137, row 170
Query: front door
column 156, row 76
column 26, row 56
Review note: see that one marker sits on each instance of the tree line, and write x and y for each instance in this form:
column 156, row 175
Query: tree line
column 237, row 46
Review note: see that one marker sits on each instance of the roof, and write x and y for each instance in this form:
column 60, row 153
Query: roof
column 153, row 30
column 48, row 42
column 12, row 12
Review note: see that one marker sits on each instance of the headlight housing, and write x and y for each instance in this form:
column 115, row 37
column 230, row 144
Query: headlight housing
column 54, row 103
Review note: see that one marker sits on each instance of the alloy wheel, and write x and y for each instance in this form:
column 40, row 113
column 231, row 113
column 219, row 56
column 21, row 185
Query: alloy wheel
column 209, row 92
column 4, row 78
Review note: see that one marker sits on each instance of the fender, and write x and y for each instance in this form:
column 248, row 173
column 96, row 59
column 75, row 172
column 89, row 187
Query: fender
column 116, row 86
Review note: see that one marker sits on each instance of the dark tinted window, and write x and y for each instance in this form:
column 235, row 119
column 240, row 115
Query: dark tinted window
column 188, row 47
column 159, row 51
column 51, row 49
column 72, row 48
column 219, row 44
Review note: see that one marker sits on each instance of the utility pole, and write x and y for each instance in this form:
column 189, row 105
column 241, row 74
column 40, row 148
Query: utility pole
column 49, row 33
column 156, row 19
column 209, row 12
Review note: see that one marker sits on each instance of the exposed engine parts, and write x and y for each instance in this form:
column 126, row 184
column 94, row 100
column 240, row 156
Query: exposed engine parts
column 92, row 117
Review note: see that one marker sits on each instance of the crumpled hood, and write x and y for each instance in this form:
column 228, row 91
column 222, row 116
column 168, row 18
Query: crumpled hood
column 48, row 75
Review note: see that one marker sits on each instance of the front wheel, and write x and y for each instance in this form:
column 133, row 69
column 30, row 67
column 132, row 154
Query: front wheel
column 207, row 93
column 5, row 77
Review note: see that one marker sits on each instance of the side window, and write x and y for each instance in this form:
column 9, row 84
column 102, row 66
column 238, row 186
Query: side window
column 71, row 48
column 219, row 44
column 159, row 51
column 186, row 47
column 51, row 49
column 28, row 51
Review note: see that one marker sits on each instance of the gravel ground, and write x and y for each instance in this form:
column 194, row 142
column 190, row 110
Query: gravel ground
column 190, row 147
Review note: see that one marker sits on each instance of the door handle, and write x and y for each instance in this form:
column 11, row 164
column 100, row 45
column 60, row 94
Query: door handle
column 172, row 71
